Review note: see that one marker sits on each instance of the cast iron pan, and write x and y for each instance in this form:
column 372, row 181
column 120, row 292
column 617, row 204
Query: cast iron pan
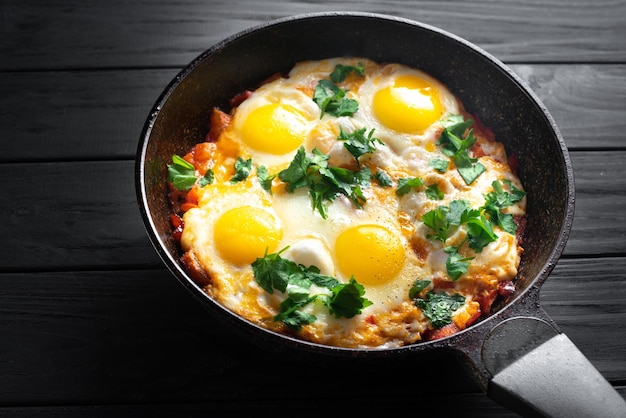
column 517, row 355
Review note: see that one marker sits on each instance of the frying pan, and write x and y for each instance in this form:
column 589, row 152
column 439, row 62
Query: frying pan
column 517, row 355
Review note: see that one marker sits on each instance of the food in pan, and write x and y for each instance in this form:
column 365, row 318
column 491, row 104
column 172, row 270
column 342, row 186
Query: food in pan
column 350, row 203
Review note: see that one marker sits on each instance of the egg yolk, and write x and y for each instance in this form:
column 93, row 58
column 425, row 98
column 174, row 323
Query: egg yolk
column 243, row 234
column 371, row 253
column 410, row 105
column 274, row 128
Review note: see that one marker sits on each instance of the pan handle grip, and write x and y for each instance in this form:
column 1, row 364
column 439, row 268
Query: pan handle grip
column 540, row 372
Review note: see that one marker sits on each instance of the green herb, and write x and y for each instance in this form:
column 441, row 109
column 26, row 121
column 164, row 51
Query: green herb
column 347, row 299
column 479, row 232
column 331, row 99
column 357, row 143
column 265, row 179
column 433, row 192
column 417, row 287
column 405, row 185
column 455, row 146
column 382, row 178
column 182, row 174
column 341, row 71
column 242, row 170
column 324, row 182
column 439, row 164
column 273, row 272
column 208, row 178
column 456, row 264
column 444, row 220
column 438, row 307
column 500, row 199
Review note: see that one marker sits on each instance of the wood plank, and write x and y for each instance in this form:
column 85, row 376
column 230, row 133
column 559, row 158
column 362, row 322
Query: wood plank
column 72, row 214
column 116, row 337
column 76, row 114
column 120, row 33
column 100, row 114
column 85, row 215
column 600, row 217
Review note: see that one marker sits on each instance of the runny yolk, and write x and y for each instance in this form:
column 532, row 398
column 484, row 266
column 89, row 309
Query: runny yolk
column 274, row 128
column 410, row 105
column 244, row 233
column 371, row 253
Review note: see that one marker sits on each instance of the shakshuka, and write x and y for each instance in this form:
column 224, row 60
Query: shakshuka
column 350, row 203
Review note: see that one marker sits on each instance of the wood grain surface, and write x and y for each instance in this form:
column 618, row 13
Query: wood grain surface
column 93, row 325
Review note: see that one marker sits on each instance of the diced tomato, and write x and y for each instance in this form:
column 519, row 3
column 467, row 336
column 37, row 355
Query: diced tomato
column 506, row 289
column 485, row 300
column 178, row 224
column 218, row 121
column 241, row 97
column 442, row 332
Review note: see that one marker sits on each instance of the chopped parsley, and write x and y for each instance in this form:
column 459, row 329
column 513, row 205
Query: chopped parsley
column 341, row 71
column 456, row 144
column 331, row 99
column 273, row 272
column 438, row 307
column 357, row 143
column 265, row 180
column 433, row 192
column 242, row 170
column 456, row 264
column 418, row 286
column 382, row 178
column 405, row 185
column 439, row 165
column 500, row 199
column 444, row 221
column 324, row 182
column 182, row 174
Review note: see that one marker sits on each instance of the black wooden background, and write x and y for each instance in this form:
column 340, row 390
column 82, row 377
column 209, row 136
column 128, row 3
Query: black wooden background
column 91, row 323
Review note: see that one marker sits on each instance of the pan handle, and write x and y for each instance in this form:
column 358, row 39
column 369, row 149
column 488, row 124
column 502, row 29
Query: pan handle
column 537, row 371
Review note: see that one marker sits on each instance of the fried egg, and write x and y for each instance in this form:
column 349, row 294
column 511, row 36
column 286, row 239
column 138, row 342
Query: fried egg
column 381, row 243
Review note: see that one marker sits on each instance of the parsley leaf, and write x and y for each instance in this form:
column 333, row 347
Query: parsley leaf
column 208, row 178
column 357, row 143
column 453, row 145
column 325, row 182
column 242, row 170
column 437, row 220
column 347, row 299
column 417, row 287
column 406, row 184
column 272, row 271
column 341, row 71
column 479, row 233
column 382, row 178
column 439, row 164
column 331, row 99
column 433, row 192
column 438, row 307
column 444, row 220
column 500, row 199
column 295, row 280
column 456, row 264
column 265, row 179
column 182, row 174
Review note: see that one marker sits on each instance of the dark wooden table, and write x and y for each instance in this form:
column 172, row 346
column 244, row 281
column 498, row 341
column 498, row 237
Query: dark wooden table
column 92, row 324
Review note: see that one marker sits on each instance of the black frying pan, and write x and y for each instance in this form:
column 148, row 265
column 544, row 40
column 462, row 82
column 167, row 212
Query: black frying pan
column 517, row 355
